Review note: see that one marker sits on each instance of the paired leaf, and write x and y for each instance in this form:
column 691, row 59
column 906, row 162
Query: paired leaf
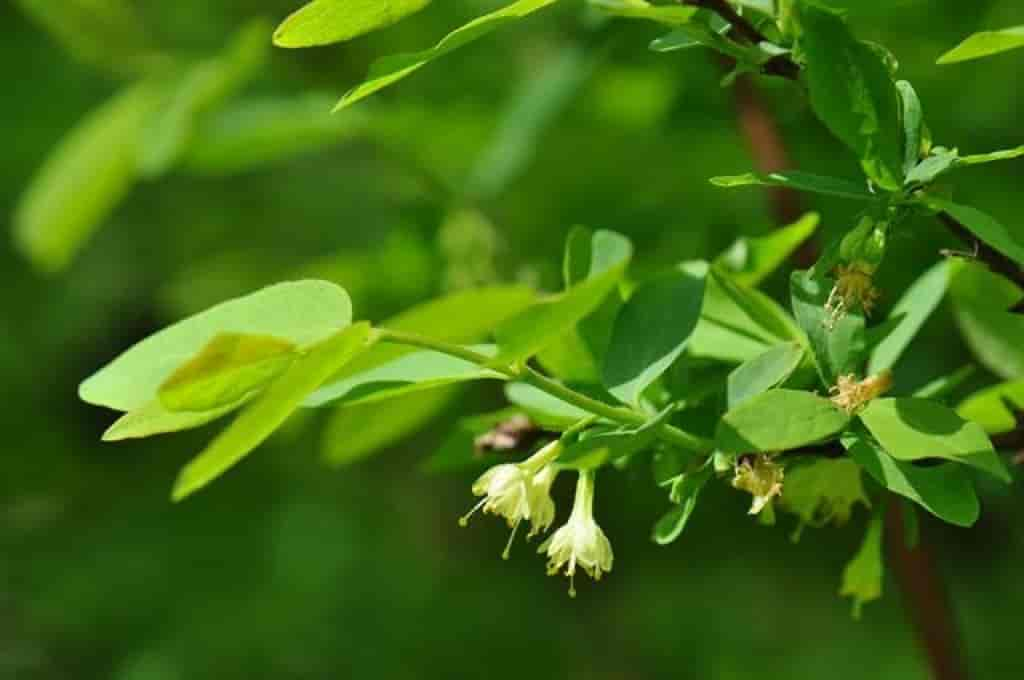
column 227, row 369
column 779, row 420
column 799, row 181
column 301, row 312
column 268, row 411
column 991, row 407
column 763, row 372
column 685, row 493
column 912, row 116
column 911, row 310
column 853, row 93
column 539, row 325
column 985, row 44
column 390, row 70
column 323, row 22
column 985, row 227
column 749, row 261
column 84, row 178
column 917, row 429
column 652, row 329
column 614, row 444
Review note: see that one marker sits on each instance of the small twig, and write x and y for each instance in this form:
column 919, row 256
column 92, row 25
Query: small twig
column 992, row 258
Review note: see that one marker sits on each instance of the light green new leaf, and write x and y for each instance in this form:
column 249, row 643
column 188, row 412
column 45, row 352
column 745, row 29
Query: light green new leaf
column 1008, row 242
column 800, row 181
column 981, row 299
column 300, row 312
column 943, row 490
column 862, row 577
column 763, row 372
column 912, row 310
column 355, row 432
column 749, row 261
column 228, row 368
column 391, row 69
column 253, row 133
column 652, row 329
column 853, row 93
column 153, row 419
column 838, row 346
column 269, row 410
column 323, row 22
column 928, row 169
column 670, row 15
column 823, row 491
column 412, row 372
column 779, row 420
column 913, row 124
column 917, row 429
column 537, row 326
column 990, row 407
column 599, row 444
column 83, row 179
column 984, row 44
column 200, row 89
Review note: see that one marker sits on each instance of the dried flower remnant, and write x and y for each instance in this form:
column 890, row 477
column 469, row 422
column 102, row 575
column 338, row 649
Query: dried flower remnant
column 852, row 395
column 759, row 476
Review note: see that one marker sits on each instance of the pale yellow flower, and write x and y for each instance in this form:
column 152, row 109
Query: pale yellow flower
column 580, row 541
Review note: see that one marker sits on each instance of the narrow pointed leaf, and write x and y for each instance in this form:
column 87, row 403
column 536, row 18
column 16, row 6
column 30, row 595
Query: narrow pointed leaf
column 1009, row 242
column 323, row 22
column 985, row 44
column 750, row 260
column 800, row 181
column 913, row 309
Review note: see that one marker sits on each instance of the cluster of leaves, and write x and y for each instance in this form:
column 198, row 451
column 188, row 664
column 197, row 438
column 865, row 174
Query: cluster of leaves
column 692, row 370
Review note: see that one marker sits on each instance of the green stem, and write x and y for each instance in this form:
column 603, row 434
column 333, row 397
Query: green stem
column 618, row 414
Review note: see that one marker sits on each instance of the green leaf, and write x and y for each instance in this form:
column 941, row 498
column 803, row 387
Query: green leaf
column 256, row 132
column 409, row 373
column 685, row 491
column 862, row 577
column 838, row 347
column 547, row 411
column 980, row 300
column 990, row 407
column 200, row 89
column 108, row 34
column 913, row 124
column 227, row 369
column 269, row 410
column 698, row 33
column 931, row 167
column 539, row 325
column 823, row 491
column 799, row 181
column 749, row 261
column 391, row 69
column 763, row 372
column 322, row 22
column 912, row 310
column 615, row 443
column 945, row 385
column 153, row 419
column 302, row 312
column 83, row 179
column 984, row 44
column 779, row 420
column 355, row 432
column 917, row 429
column 984, row 227
column 853, row 93
column 671, row 15
column 652, row 329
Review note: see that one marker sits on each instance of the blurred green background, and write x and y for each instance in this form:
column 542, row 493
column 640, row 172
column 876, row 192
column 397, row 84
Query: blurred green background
column 470, row 172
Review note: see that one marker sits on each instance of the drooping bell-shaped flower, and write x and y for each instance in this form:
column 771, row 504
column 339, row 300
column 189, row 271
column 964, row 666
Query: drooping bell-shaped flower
column 519, row 491
column 580, row 541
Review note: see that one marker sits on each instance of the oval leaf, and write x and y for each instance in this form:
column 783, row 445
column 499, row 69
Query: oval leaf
column 323, row 22
column 764, row 372
column 779, row 420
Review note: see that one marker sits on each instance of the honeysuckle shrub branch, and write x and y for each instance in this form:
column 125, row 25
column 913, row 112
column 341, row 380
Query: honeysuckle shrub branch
column 692, row 371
